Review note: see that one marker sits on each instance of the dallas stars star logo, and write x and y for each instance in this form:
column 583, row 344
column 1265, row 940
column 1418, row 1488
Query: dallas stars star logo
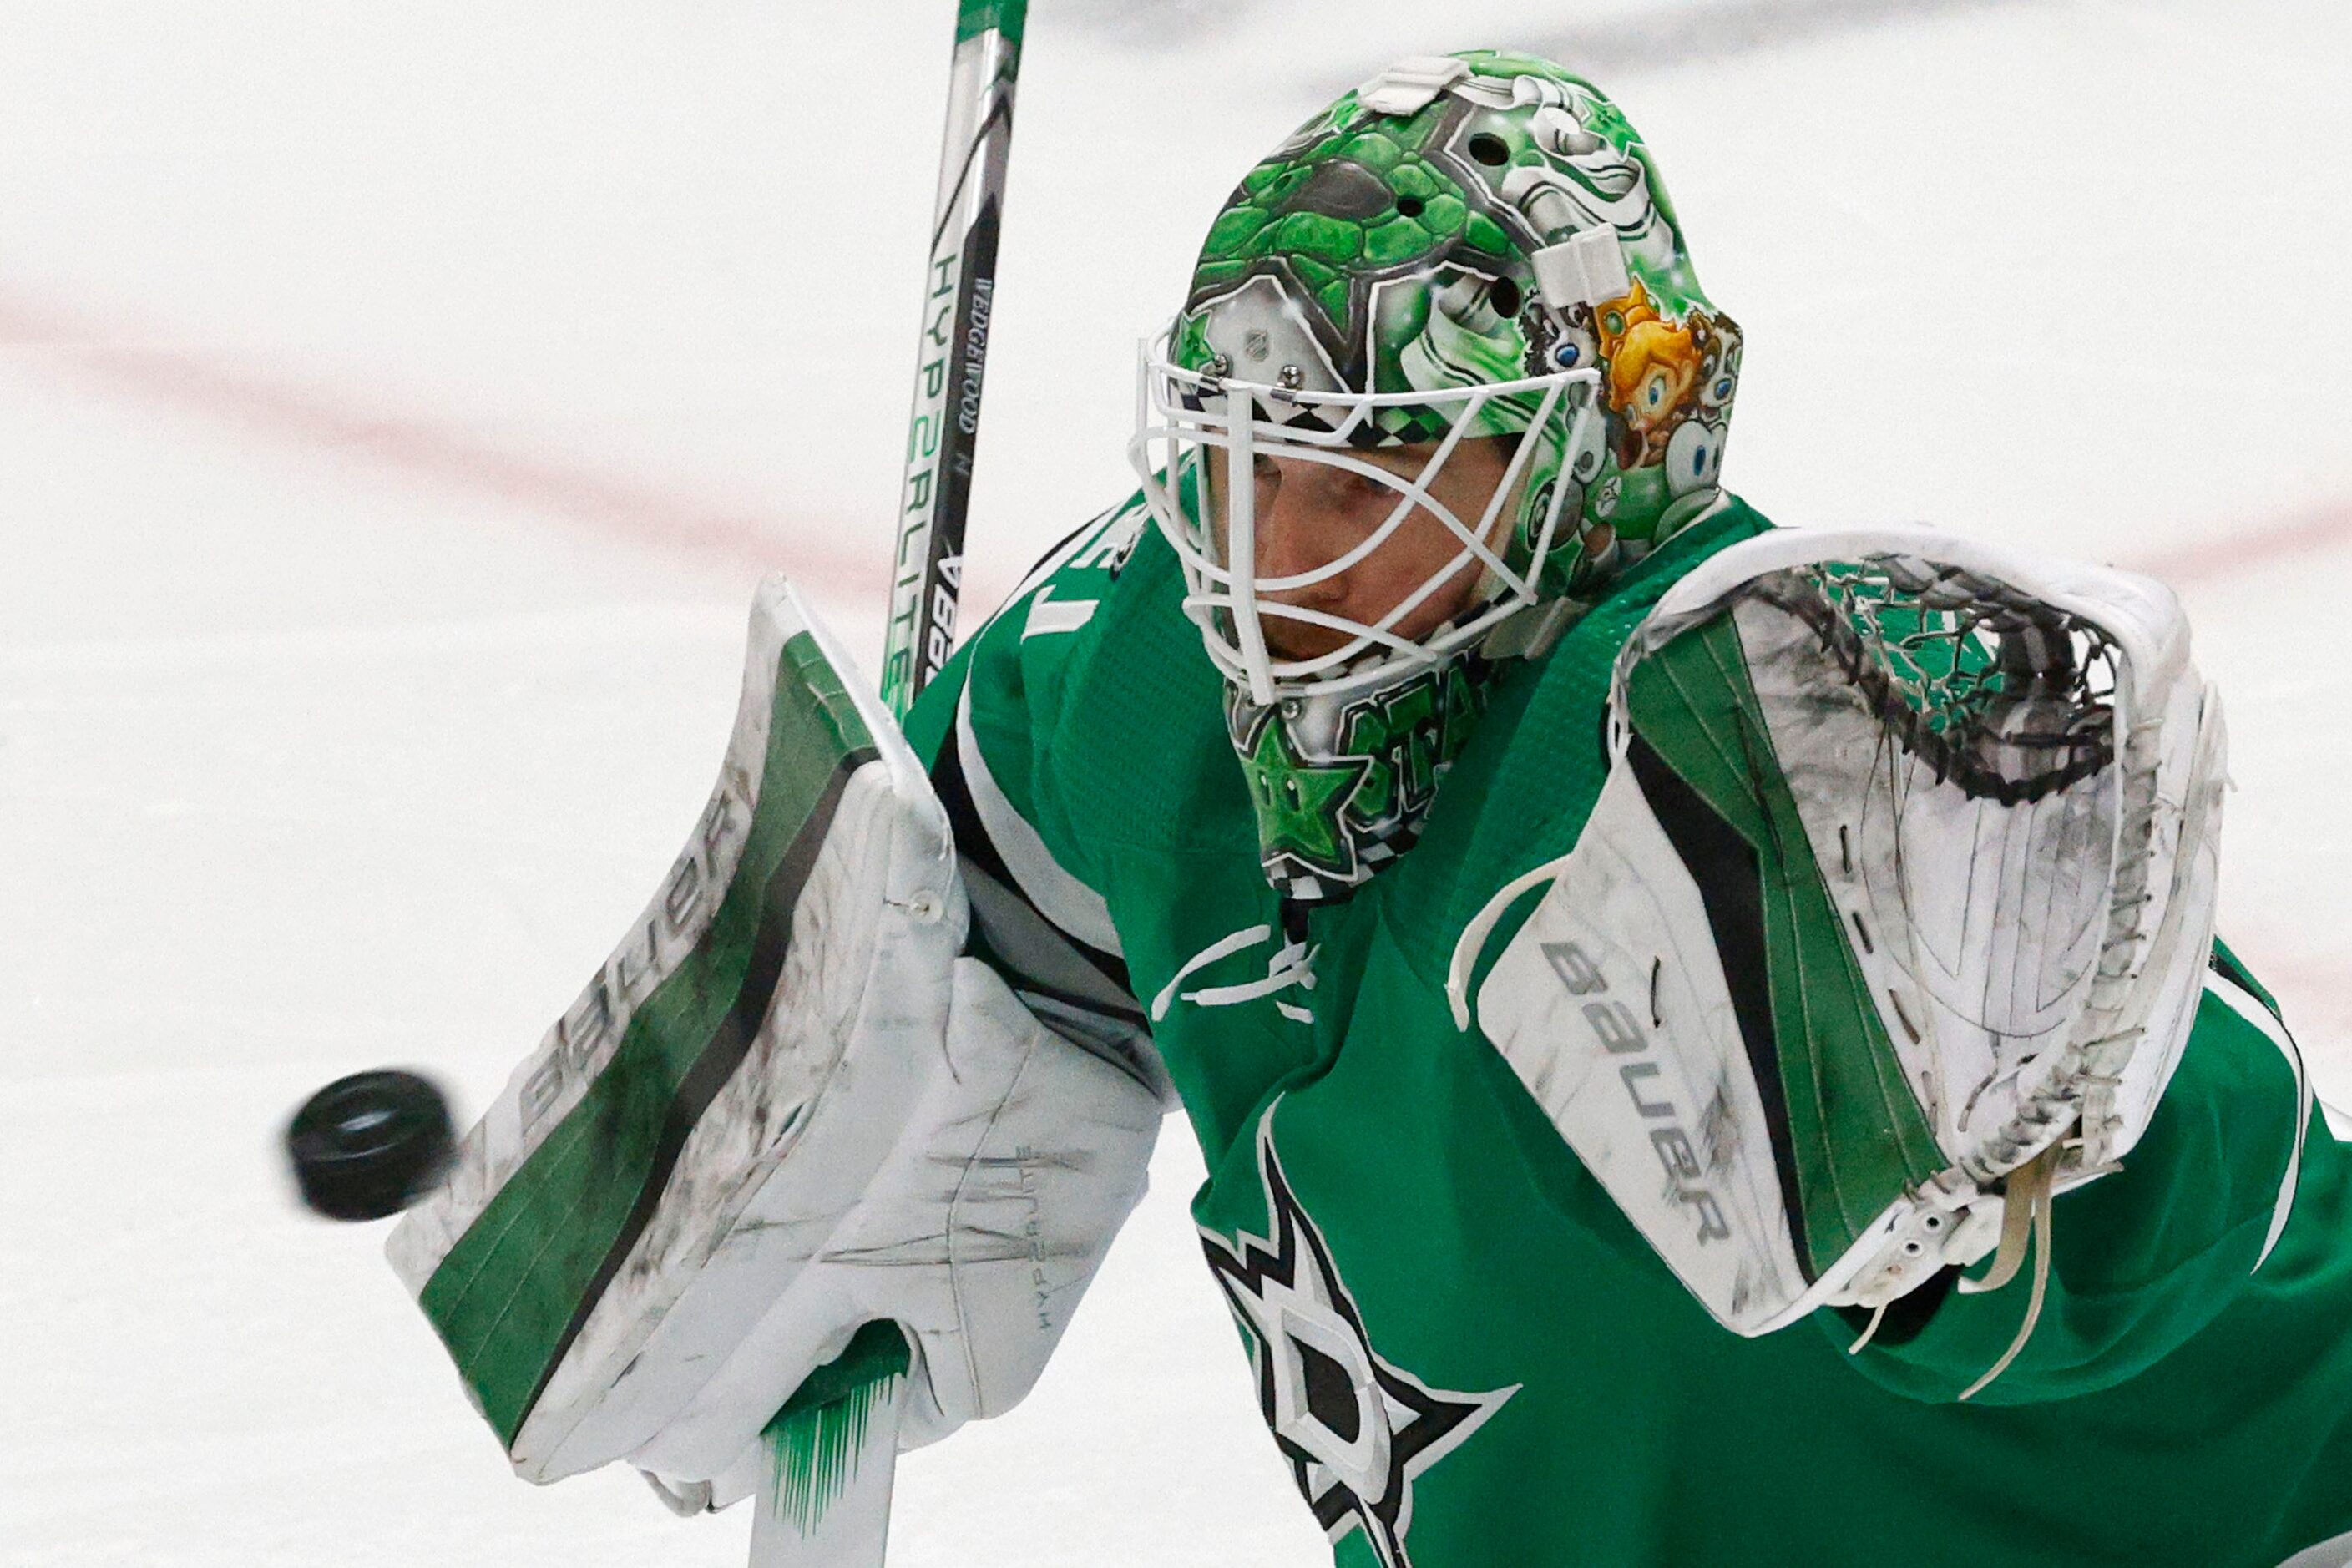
column 1356, row 1428
column 1298, row 803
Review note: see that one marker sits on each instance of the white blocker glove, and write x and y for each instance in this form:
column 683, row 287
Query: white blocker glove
column 977, row 1235
column 785, row 1109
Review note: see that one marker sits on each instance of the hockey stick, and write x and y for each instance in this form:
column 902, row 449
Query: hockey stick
column 943, row 430
column 833, row 1450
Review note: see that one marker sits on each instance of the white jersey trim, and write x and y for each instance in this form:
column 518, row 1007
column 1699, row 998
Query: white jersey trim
column 2249, row 1007
column 1068, row 903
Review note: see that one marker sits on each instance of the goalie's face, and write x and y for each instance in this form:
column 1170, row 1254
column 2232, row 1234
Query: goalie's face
column 1335, row 542
column 1354, row 544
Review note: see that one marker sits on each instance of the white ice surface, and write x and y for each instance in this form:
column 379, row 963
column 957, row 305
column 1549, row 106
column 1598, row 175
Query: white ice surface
column 397, row 404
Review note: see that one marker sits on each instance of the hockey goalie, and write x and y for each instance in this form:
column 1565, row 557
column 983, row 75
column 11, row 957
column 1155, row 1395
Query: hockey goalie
column 1708, row 1041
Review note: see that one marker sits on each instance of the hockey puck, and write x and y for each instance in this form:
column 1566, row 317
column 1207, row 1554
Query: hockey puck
column 371, row 1144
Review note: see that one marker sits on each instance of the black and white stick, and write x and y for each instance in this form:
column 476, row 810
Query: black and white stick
column 935, row 497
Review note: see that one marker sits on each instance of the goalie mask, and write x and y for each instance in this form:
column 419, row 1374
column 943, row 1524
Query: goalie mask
column 1444, row 368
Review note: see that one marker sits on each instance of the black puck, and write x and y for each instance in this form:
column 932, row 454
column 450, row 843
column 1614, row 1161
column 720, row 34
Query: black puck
column 371, row 1144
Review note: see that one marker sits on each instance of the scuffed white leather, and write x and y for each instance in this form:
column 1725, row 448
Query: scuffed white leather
column 978, row 1233
column 2036, row 965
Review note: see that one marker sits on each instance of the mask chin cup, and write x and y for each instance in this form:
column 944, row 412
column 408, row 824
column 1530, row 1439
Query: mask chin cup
column 1341, row 781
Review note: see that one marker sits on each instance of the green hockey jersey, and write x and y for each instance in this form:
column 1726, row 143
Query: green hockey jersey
column 1465, row 1352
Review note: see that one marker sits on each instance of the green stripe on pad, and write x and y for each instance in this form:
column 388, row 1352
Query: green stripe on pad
column 1857, row 1136
column 512, row 1295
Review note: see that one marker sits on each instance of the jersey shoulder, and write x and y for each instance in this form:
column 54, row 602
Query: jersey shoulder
column 1518, row 796
column 1085, row 725
column 1092, row 688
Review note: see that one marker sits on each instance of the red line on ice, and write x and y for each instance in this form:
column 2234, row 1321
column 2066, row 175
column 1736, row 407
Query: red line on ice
column 2231, row 551
column 220, row 387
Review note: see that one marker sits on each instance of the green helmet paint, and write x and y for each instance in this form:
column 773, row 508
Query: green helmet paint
column 1468, row 245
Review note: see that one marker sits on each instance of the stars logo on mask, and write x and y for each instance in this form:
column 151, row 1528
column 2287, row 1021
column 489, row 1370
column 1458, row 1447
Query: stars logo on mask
column 1356, row 1428
column 1299, row 803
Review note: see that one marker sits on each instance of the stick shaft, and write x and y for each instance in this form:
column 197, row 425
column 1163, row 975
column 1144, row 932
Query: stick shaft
column 959, row 288
column 850, row 1526
column 934, row 500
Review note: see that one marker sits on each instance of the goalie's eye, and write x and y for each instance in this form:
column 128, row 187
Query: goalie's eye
column 1566, row 356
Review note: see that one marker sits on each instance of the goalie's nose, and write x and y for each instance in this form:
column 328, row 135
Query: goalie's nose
column 1296, row 539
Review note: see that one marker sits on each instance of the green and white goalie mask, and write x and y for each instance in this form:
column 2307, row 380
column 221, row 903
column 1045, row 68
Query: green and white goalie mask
column 1453, row 314
column 1343, row 740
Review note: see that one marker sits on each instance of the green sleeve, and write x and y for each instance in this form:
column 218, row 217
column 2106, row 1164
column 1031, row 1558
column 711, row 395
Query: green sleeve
column 2142, row 1258
column 991, row 727
column 1019, row 666
column 933, row 715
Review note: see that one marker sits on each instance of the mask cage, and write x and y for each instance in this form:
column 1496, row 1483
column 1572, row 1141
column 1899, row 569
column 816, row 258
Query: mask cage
column 1183, row 417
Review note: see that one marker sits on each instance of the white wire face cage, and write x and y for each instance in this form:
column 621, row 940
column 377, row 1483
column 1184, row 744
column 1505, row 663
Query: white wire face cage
column 1183, row 417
